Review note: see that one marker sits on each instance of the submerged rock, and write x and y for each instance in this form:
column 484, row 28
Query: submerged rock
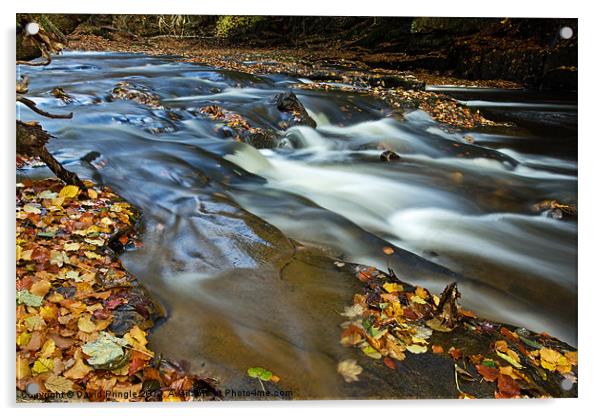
column 389, row 156
column 289, row 103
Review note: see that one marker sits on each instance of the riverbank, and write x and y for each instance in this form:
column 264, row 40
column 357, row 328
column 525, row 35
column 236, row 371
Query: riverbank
column 333, row 69
column 82, row 318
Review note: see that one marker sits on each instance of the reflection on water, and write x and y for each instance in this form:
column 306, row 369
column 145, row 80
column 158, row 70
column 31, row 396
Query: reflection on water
column 219, row 215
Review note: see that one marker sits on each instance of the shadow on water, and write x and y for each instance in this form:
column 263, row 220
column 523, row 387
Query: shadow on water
column 222, row 219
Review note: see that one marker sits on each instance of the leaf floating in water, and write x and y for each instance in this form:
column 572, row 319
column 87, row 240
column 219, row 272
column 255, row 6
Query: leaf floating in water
column 349, row 369
column 262, row 374
column 388, row 250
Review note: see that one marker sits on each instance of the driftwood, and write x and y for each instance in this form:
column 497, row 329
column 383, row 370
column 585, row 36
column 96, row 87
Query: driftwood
column 31, row 141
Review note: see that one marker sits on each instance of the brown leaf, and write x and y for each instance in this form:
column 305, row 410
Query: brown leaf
column 507, row 387
column 488, row 373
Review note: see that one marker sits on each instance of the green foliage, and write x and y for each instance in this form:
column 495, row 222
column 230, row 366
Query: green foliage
column 231, row 26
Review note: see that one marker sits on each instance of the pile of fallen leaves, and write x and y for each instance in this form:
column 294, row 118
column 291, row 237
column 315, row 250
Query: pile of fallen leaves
column 138, row 93
column 391, row 319
column 232, row 124
column 81, row 317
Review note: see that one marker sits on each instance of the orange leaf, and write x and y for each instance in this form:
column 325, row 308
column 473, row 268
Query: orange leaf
column 455, row 353
column 437, row 349
column 389, row 363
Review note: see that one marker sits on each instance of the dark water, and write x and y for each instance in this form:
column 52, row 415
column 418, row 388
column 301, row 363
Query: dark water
column 220, row 216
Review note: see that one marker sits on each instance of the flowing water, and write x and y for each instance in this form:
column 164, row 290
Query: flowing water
column 239, row 242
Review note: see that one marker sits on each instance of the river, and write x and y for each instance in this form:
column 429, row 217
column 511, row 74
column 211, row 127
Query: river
column 222, row 219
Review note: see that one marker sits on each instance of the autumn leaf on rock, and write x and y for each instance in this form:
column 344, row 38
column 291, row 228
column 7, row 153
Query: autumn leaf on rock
column 488, row 373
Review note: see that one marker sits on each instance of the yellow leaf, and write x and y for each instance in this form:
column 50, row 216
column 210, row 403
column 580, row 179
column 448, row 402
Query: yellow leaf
column 22, row 368
column 513, row 360
column 170, row 397
column 393, row 287
column 69, row 191
column 417, row 299
column 48, row 349
column 19, row 251
column 85, row 324
column 40, row 288
column 92, row 194
column 422, row 292
column 92, row 255
column 23, row 339
column 71, row 246
column 417, row 349
column 571, row 356
column 78, row 370
column 42, row 365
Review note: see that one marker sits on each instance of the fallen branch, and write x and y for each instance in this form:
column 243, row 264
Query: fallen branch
column 32, row 105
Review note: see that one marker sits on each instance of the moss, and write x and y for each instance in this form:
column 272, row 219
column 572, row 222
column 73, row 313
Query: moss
column 232, row 26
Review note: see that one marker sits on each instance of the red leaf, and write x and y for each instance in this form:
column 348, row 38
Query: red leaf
column 455, row 353
column 488, row 373
column 507, row 387
column 389, row 363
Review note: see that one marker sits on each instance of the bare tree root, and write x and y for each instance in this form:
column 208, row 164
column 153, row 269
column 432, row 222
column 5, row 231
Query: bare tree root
column 31, row 141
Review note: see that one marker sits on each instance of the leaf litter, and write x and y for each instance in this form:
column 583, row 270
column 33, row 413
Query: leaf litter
column 390, row 319
column 72, row 293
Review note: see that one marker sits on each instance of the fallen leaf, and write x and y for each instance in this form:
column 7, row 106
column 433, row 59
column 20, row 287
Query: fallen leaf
column 371, row 352
column 85, row 324
column 42, row 365
column 349, row 369
column 78, row 371
column 416, row 349
column 58, row 384
column 29, row 299
column 455, row 353
column 507, row 387
column 71, row 246
column 104, row 350
column 511, row 358
column 437, row 349
column 69, row 191
column 388, row 250
column 389, row 363
column 31, row 209
column 40, row 288
column 488, row 373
